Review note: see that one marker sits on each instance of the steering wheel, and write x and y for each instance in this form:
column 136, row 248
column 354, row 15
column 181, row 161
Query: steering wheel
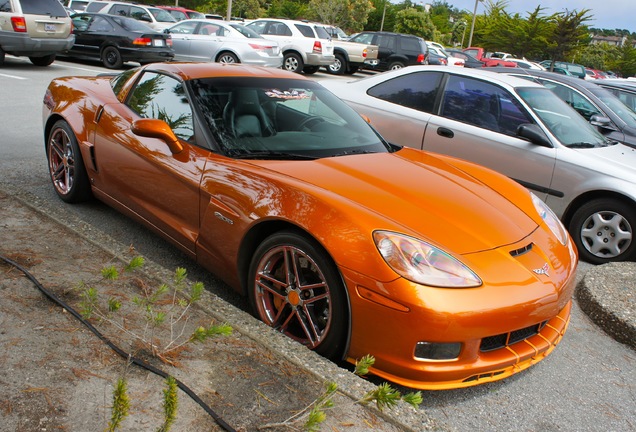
column 310, row 122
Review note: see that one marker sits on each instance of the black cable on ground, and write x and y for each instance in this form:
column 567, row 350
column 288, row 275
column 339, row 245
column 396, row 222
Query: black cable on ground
column 122, row 353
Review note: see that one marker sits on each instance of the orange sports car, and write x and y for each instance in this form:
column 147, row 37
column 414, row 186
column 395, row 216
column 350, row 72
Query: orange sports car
column 448, row 273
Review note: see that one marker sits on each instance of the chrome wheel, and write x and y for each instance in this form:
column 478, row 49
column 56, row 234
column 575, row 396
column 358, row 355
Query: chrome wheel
column 296, row 289
column 293, row 63
column 66, row 167
column 228, row 58
column 61, row 161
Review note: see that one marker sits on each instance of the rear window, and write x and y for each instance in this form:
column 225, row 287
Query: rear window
column 306, row 31
column 43, row 7
column 95, row 6
column 412, row 44
column 322, row 32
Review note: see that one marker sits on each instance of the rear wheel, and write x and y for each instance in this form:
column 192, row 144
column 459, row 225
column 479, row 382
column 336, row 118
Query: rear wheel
column 603, row 231
column 111, row 58
column 43, row 61
column 295, row 287
column 1, row 56
column 339, row 66
column 396, row 65
column 293, row 62
column 66, row 167
column 352, row 70
column 227, row 57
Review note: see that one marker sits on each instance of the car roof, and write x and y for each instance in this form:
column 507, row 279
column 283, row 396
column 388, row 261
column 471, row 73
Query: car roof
column 572, row 80
column 618, row 83
column 194, row 70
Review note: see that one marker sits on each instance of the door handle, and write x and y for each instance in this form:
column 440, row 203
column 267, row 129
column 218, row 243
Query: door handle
column 445, row 132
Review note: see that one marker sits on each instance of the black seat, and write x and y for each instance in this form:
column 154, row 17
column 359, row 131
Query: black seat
column 245, row 117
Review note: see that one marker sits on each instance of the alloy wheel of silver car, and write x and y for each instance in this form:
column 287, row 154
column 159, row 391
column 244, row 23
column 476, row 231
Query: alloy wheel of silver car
column 228, row 57
column 295, row 289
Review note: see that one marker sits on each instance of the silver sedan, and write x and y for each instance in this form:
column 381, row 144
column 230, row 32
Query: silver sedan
column 520, row 129
column 219, row 41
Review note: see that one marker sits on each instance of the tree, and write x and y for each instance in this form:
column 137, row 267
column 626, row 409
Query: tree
column 569, row 34
column 414, row 22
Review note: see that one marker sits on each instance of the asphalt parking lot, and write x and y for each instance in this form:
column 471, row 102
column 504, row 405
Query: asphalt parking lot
column 587, row 384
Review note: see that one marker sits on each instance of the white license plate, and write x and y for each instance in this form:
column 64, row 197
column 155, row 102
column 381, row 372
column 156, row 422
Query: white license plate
column 158, row 42
column 50, row 27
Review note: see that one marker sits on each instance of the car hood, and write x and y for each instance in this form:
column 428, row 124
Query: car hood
column 421, row 195
column 616, row 160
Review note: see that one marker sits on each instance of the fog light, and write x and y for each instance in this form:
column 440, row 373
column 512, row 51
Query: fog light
column 437, row 351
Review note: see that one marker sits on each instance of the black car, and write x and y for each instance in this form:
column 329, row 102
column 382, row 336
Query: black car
column 395, row 50
column 469, row 60
column 599, row 106
column 115, row 40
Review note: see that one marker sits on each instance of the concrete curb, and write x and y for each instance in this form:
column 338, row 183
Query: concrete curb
column 607, row 294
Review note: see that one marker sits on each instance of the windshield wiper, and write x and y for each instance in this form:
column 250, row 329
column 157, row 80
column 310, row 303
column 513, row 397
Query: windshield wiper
column 352, row 152
column 265, row 154
column 582, row 145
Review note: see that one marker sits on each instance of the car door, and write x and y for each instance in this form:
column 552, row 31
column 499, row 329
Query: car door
column 477, row 121
column 206, row 42
column 182, row 35
column 141, row 175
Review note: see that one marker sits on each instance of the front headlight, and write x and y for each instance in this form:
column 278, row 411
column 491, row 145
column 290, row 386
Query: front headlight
column 551, row 220
column 422, row 263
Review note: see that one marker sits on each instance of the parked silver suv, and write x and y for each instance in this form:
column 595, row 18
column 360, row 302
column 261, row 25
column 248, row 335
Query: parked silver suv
column 37, row 29
column 305, row 46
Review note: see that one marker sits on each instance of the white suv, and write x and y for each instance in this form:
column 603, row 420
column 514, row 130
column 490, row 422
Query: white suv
column 305, row 46
column 37, row 29
column 155, row 17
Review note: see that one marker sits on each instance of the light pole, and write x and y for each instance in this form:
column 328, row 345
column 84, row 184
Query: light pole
column 472, row 26
column 383, row 14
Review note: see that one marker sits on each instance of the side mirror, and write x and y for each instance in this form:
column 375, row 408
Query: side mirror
column 534, row 134
column 166, row 31
column 153, row 128
column 601, row 121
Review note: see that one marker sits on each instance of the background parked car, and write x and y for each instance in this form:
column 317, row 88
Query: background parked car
column 306, row 47
column 36, row 29
column 574, row 69
column 469, row 60
column 623, row 89
column 180, row 13
column 395, row 50
column 115, row 40
column 223, row 42
column 436, row 58
column 155, row 17
column 526, row 64
column 519, row 128
column 349, row 56
column 597, row 105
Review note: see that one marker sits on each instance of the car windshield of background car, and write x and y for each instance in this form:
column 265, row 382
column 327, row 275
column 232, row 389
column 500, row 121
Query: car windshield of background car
column 619, row 108
column 162, row 15
column 567, row 125
column 281, row 119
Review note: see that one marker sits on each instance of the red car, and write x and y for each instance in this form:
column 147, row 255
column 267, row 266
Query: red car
column 180, row 13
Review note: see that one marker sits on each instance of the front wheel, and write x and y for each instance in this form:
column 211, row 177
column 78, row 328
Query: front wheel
column 603, row 231
column 43, row 61
column 66, row 167
column 111, row 58
column 295, row 287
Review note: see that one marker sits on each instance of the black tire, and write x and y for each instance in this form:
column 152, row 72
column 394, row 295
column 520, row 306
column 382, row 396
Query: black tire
column 1, row 57
column 43, row 61
column 310, row 70
column 293, row 62
column 396, row 65
column 66, row 167
column 111, row 58
column 352, row 70
column 227, row 57
column 339, row 66
column 312, row 308
column 603, row 231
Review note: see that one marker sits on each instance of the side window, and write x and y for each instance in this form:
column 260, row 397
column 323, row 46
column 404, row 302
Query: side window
column 185, row 27
column 162, row 97
column 365, row 38
column 305, row 30
column 573, row 98
column 258, row 27
column 121, row 10
column 5, row 6
column 483, row 105
column 99, row 24
column 410, row 44
column 416, row 90
column 279, row 29
column 386, row 41
column 139, row 14
column 81, row 22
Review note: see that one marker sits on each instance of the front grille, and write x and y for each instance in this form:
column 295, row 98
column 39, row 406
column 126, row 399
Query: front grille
column 492, row 343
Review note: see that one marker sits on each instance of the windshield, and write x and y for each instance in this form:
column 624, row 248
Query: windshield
column 131, row 24
column 162, row 15
column 265, row 118
column 619, row 108
column 567, row 125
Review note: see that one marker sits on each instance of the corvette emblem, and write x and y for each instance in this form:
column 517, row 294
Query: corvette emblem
column 543, row 270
